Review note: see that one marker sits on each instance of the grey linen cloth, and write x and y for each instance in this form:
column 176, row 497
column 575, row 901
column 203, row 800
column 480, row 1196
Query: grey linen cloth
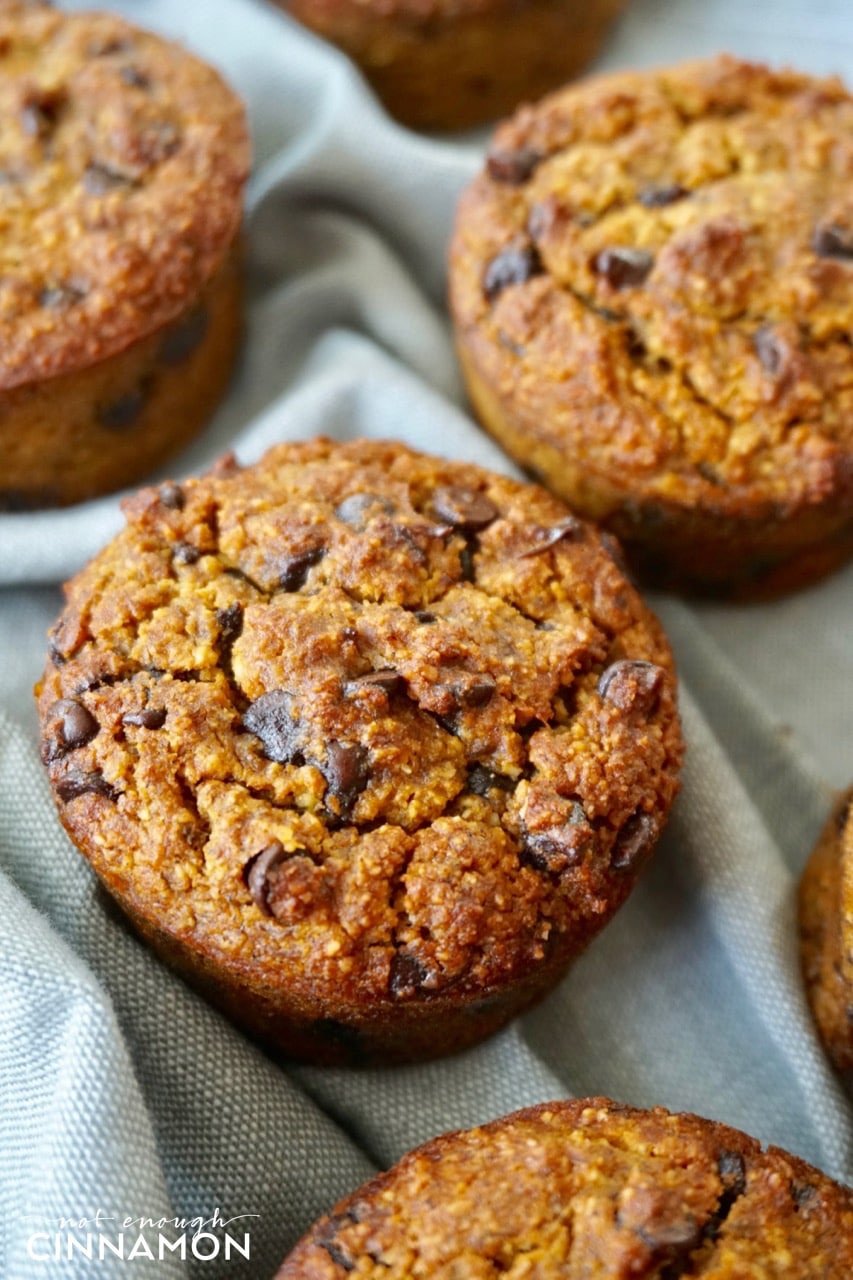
column 122, row 1094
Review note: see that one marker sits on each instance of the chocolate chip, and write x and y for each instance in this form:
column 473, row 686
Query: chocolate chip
column 230, row 623
column 70, row 726
column 100, row 180
column 770, row 351
column 476, row 692
column 123, row 412
column 147, row 718
column 634, row 842
column 623, row 267
column 185, row 553
column 270, row 719
column 60, row 296
column 482, row 780
column 832, row 241
column 407, row 975
column 354, row 510
column 295, row 567
column 256, row 874
column 671, row 1237
column 424, row 616
column 182, row 339
column 335, row 1252
column 463, row 508
column 632, row 685
column 389, row 681
column 558, row 848
column 135, row 78
column 511, row 266
column 40, row 112
column 654, row 197
column 171, row 495
column 732, row 1171
column 77, row 782
column 513, row 165
column 564, row 531
column 346, row 772
column 467, row 567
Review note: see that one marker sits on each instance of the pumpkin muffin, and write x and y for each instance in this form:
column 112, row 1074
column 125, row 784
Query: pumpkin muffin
column 450, row 64
column 652, row 284
column 367, row 743
column 826, row 934
column 122, row 165
column 588, row 1188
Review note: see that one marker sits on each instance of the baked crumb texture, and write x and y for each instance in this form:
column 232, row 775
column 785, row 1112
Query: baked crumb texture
column 450, row 64
column 122, row 165
column 652, row 283
column 589, row 1188
column 826, row 934
column 369, row 743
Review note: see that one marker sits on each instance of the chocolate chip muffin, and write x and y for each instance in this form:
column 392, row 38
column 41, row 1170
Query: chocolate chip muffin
column 441, row 65
column 652, row 284
column 589, row 1188
column 367, row 743
column 122, row 165
column 826, row 933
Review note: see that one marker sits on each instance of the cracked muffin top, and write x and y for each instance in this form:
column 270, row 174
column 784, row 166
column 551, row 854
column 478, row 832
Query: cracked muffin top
column 673, row 251
column 589, row 1188
column 362, row 716
column 122, row 165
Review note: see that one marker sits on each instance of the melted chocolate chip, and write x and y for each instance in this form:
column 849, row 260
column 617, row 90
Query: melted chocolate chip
column 476, row 692
column 147, row 718
column 511, row 266
column 270, row 719
column 558, row 848
column 833, row 241
column 389, row 681
column 769, row 350
column 632, row 685
column 346, row 772
column 482, row 780
column 634, row 842
column 356, row 509
column 623, row 267
column 172, row 496
column 463, row 508
column 185, row 337
column 61, row 296
column 467, row 567
column 123, row 412
column 100, row 180
column 185, row 553
column 294, row 569
column 77, row 782
column 256, row 874
column 135, row 78
column 564, row 531
column 71, row 726
column 653, row 197
column 230, row 623
column 424, row 616
column 407, row 975
column 513, row 166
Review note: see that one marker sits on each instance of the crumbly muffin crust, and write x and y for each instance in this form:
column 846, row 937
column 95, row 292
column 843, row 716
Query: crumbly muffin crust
column 588, row 1188
column 369, row 741
column 652, row 283
column 826, row 933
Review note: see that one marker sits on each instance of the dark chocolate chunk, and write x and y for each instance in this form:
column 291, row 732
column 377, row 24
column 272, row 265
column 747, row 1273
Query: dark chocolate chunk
column 346, row 772
column 172, row 496
column 732, row 1171
column 147, row 718
column 770, row 351
column 482, row 780
column 653, row 197
column 135, row 78
column 564, row 531
column 100, row 179
column 70, row 726
column 270, row 718
column 60, row 296
column 513, row 166
column 123, row 412
column 632, row 685
column 832, row 241
column 185, row 553
column 389, row 681
column 407, row 975
column 294, row 569
column 424, row 616
column 77, row 782
column 356, row 509
column 182, row 339
column 511, row 266
column 558, row 848
column 634, row 842
column 463, row 508
column 256, row 874
column 623, row 267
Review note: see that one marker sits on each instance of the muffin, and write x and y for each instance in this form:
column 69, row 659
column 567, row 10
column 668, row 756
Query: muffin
column 826, row 934
column 440, row 65
column 367, row 743
column 122, row 166
column 652, row 286
column 589, row 1188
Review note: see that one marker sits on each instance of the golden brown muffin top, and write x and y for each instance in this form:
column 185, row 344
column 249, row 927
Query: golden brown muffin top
column 588, row 1188
column 361, row 716
column 122, row 165
column 681, row 242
